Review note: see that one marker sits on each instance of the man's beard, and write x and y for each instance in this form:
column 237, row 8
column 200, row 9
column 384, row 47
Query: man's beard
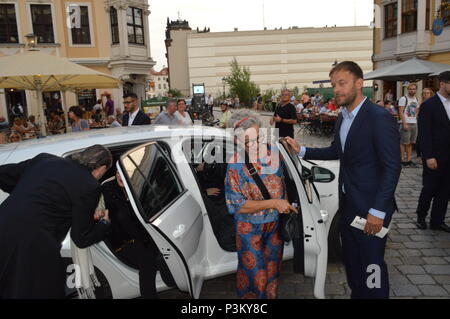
column 348, row 100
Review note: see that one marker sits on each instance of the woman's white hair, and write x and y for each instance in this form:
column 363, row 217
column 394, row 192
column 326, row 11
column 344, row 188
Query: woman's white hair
column 242, row 120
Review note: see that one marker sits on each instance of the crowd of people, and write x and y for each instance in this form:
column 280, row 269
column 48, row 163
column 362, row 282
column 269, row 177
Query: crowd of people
column 366, row 142
column 101, row 115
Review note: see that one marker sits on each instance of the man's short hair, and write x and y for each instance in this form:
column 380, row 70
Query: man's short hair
column 348, row 66
column 181, row 100
column 444, row 77
column 171, row 101
column 412, row 84
column 132, row 95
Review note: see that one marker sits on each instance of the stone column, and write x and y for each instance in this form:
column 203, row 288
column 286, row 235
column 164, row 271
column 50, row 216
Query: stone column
column 3, row 108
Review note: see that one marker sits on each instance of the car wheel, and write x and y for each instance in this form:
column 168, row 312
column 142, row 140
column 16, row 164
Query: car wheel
column 334, row 240
column 102, row 292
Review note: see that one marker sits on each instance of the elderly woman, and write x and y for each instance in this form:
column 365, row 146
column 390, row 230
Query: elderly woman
column 184, row 119
column 259, row 246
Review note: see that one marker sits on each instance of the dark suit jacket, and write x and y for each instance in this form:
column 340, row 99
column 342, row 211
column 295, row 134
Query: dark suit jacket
column 434, row 131
column 141, row 119
column 48, row 196
column 370, row 166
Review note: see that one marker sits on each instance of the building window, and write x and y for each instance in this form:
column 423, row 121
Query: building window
column 390, row 20
column 114, row 26
column 409, row 16
column 41, row 16
column 81, row 32
column 427, row 15
column 135, row 24
column 445, row 12
column 8, row 24
column 159, row 86
column 165, row 86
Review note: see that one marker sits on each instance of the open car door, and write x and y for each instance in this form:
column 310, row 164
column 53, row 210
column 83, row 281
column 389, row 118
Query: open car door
column 168, row 212
column 315, row 244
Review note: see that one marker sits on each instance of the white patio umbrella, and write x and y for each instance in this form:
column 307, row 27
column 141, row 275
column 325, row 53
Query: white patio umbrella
column 40, row 72
column 411, row 70
column 438, row 73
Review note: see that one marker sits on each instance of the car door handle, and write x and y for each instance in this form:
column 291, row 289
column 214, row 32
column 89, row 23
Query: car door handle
column 324, row 214
column 326, row 196
column 177, row 233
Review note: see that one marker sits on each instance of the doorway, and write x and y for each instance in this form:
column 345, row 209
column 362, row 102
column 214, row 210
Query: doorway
column 14, row 98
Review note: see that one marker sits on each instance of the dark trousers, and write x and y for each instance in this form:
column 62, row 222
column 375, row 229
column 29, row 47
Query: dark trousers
column 144, row 259
column 436, row 189
column 363, row 257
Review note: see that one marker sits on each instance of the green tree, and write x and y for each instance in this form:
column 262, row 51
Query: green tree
column 175, row 93
column 240, row 83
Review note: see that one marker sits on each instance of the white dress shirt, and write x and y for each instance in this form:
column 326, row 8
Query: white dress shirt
column 132, row 117
column 446, row 103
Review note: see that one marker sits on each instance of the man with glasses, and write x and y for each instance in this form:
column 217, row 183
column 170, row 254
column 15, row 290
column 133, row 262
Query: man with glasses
column 133, row 115
column 434, row 140
column 285, row 116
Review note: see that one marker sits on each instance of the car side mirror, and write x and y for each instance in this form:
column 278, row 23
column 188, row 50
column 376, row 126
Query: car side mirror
column 322, row 175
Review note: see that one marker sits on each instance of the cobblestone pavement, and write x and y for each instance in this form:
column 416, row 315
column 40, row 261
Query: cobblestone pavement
column 418, row 260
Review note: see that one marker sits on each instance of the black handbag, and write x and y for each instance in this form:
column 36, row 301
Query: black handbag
column 289, row 223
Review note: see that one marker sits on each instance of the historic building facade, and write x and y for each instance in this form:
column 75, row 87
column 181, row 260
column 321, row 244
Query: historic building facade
column 110, row 36
column 403, row 31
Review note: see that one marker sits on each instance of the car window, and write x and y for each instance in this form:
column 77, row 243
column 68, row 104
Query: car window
column 301, row 170
column 152, row 180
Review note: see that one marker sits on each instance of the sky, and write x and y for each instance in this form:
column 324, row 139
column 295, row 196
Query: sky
column 219, row 15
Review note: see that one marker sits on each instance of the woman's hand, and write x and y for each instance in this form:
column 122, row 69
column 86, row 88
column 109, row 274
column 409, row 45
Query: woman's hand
column 283, row 206
column 212, row 191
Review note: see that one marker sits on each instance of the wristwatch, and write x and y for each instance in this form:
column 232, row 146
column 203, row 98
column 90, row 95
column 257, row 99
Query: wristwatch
column 104, row 221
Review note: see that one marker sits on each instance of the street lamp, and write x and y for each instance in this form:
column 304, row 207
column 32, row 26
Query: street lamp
column 224, row 79
column 31, row 41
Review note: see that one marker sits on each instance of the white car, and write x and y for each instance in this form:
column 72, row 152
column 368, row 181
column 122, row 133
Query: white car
column 164, row 191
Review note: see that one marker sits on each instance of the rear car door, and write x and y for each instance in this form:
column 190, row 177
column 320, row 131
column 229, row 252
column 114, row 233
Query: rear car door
column 168, row 212
column 315, row 242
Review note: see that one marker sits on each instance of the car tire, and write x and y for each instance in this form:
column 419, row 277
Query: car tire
column 102, row 292
column 334, row 240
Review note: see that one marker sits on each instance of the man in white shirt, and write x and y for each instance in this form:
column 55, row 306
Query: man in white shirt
column 408, row 108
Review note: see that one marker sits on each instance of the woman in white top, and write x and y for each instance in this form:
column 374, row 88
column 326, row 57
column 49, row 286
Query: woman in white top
column 182, row 116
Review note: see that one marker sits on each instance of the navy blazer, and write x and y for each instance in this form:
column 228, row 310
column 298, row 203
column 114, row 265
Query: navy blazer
column 370, row 166
column 434, row 131
column 140, row 119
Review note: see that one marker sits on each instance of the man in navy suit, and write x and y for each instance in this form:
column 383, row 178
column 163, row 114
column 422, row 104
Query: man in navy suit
column 434, row 139
column 134, row 115
column 366, row 142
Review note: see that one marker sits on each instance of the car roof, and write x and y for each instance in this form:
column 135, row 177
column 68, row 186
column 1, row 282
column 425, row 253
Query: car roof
column 61, row 144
